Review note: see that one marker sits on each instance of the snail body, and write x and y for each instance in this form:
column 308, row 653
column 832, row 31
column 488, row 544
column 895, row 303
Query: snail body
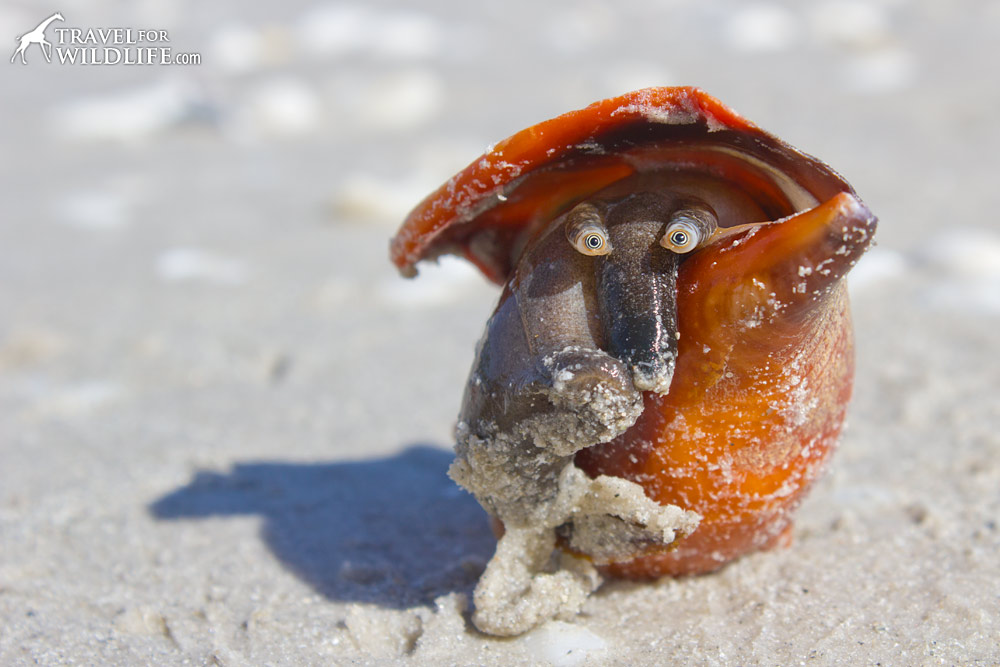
column 668, row 366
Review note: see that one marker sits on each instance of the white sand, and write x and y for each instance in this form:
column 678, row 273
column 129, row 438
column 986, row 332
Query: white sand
column 239, row 456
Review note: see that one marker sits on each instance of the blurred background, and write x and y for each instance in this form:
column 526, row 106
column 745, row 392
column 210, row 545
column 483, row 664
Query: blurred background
column 194, row 275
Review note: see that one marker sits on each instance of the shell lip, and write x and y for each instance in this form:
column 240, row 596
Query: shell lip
column 486, row 211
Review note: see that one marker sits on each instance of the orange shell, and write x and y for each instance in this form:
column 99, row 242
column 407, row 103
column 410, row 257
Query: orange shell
column 765, row 352
column 486, row 211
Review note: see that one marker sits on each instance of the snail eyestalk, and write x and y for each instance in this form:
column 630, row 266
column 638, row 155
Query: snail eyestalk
column 690, row 227
column 586, row 232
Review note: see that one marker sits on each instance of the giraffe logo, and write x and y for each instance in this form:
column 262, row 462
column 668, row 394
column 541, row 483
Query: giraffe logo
column 36, row 36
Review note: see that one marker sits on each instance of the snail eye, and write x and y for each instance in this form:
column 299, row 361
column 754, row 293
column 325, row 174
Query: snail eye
column 690, row 227
column 593, row 242
column 585, row 231
column 681, row 237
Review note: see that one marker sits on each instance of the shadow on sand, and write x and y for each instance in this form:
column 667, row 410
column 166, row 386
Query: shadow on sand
column 394, row 531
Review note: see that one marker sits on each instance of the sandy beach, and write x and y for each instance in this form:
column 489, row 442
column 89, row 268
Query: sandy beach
column 225, row 420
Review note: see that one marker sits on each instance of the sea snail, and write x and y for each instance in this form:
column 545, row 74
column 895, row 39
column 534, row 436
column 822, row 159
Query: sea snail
column 669, row 364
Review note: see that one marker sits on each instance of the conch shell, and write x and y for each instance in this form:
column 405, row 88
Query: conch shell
column 669, row 365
